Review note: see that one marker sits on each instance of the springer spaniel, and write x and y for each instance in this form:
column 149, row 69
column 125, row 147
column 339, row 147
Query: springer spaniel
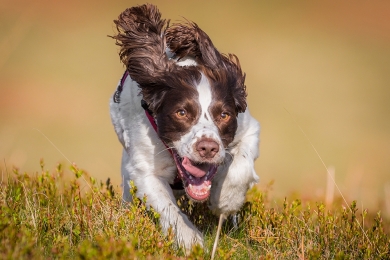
column 181, row 115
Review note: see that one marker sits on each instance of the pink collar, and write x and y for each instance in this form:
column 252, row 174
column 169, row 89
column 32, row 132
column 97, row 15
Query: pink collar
column 144, row 105
column 177, row 183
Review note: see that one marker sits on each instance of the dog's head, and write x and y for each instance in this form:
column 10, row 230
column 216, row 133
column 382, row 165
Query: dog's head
column 195, row 102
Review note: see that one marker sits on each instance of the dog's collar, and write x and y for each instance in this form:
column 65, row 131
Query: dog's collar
column 117, row 95
column 177, row 183
column 117, row 99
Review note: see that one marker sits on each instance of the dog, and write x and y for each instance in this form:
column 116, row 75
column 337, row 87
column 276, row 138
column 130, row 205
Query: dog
column 181, row 115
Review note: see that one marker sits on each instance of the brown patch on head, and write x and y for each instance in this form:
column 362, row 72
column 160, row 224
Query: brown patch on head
column 180, row 110
column 223, row 109
column 225, row 70
column 228, row 95
column 230, row 79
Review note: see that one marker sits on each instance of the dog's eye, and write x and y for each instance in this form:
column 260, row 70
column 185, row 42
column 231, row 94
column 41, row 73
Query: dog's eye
column 181, row 113
column 225, row 116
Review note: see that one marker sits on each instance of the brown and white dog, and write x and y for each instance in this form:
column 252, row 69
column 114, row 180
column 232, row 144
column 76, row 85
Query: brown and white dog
column 195, row 98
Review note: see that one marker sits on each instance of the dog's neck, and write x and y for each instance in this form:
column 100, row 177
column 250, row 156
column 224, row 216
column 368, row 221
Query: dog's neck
column 177, row 183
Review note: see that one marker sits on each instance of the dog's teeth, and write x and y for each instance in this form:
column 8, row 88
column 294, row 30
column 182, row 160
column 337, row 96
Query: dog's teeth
column 208, row 187
column 190, row 185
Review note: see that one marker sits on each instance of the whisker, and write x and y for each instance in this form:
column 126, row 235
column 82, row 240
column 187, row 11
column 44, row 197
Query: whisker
column 166, row 138
column 229, row 153
column 166, row 149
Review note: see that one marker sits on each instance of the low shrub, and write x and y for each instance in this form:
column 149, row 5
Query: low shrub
column 47, row 215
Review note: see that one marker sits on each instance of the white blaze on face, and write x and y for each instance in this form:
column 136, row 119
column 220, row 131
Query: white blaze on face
column 203, row 128
column 205, row 99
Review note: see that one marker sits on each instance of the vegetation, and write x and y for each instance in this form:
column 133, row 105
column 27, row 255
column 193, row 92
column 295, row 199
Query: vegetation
column 48, row 216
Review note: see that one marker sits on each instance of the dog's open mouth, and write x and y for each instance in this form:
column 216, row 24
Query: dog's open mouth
column 196, row 177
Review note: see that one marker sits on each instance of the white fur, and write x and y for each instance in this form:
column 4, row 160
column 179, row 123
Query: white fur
column 203, row 128
column 147, row 162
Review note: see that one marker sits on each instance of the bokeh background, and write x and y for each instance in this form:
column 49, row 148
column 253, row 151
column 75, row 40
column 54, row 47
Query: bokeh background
column 323, row 66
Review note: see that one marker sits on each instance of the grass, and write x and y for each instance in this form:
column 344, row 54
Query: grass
column 46, row 215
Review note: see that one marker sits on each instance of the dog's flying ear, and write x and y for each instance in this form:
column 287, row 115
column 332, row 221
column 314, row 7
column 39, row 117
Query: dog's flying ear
column 189, row 40
column 141, row 38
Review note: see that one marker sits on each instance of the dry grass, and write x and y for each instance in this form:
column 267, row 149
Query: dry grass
column 46, row 216
column 326, row 62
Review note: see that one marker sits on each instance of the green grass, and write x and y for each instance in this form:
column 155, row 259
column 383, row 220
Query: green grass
column 47, row 215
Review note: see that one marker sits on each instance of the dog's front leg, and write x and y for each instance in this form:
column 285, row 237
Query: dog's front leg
column 237, row 174
column 159, row 195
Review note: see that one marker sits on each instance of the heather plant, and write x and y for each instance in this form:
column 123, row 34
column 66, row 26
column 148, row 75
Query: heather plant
column 47, row 216
column 291, row 231
column 68, row 214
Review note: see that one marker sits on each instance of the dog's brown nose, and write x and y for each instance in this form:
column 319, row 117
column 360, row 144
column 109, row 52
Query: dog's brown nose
column 207, row 148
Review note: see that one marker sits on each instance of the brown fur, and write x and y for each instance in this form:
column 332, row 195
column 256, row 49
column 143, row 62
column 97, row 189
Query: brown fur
column 189, row 39
column 141, row 38
column 170, row 127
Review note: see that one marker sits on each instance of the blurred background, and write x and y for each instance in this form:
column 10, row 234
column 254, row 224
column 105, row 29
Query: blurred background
column 320, row 66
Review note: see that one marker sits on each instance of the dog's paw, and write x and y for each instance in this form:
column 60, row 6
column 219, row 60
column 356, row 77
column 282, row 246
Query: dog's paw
column 186, row 234
column 229, row 190
column 187, row 238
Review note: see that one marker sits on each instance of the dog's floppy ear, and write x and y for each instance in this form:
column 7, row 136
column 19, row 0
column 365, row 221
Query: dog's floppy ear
column 141, row 37
column 189, row 40
column 237, row 80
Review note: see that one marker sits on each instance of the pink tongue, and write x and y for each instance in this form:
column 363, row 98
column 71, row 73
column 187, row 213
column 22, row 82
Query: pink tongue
column 197, row 171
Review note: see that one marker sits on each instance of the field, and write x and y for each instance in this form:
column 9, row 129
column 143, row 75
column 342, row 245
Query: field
column 325, row 63
column 48, row 216
column 317, row 74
